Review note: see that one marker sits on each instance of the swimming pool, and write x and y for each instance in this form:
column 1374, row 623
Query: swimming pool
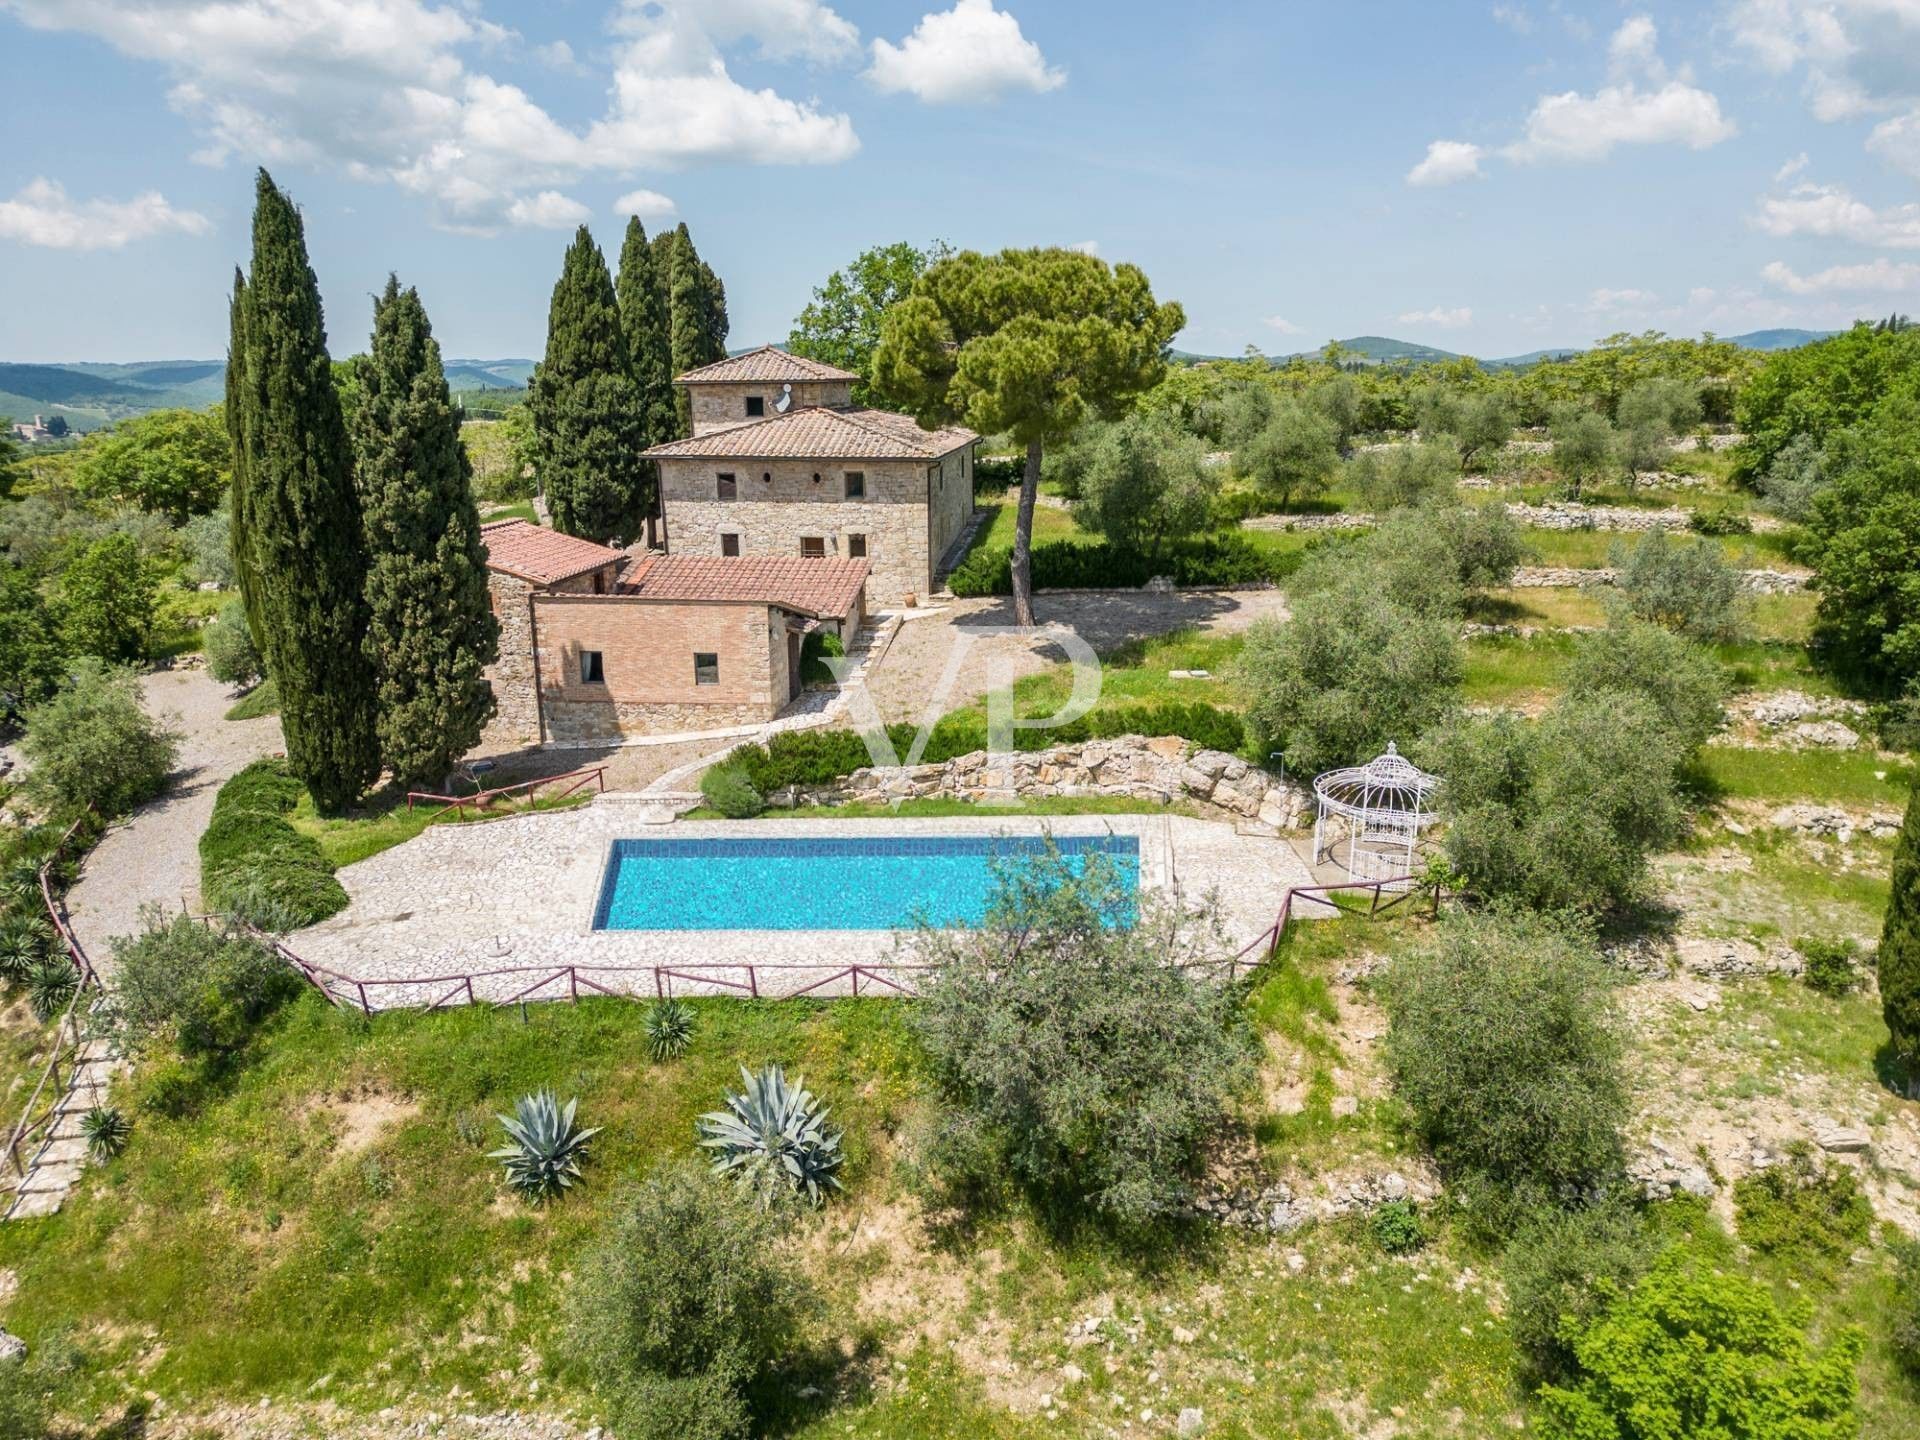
column 819, row 882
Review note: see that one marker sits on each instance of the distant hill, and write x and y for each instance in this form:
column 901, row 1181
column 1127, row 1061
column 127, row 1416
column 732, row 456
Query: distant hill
column 1780, row 339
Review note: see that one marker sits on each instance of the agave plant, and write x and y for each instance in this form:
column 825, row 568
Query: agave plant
column 50, row 985
column 774, row 1138
column 669, row 1029
column 24, row 938
column 106, row 1131
column 20, row 880
column 546, row 1147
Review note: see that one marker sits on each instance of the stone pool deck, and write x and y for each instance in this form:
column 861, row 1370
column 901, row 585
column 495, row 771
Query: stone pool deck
column 510, row 904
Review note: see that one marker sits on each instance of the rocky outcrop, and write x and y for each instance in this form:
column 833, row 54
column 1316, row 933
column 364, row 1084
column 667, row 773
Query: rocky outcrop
column 1164, row 769
column 1830, row 822
column 1278, row 1209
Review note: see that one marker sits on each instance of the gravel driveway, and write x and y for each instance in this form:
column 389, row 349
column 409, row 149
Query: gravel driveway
column 153, row 856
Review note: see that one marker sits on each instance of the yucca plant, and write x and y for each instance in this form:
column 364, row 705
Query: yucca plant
column 106, row 1131
column 20, row 880
column 669, row 1029
column 773, row 1138
column 50, row 985
column 546, row 1147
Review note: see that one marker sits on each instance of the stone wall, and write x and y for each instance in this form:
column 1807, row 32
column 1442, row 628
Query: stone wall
column 515, row 676
column 1552, row 577
column 910, row 513
column 1164, row 770
column 716, row 406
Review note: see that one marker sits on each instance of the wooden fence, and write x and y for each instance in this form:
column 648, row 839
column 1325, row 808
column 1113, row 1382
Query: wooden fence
column 574, row 781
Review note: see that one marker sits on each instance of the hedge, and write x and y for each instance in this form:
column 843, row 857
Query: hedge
column 995, row 474
column 820, row 757
column 1227, row 559
column 253, row 861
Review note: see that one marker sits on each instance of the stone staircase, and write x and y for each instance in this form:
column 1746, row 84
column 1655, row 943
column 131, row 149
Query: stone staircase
column 59, row 1150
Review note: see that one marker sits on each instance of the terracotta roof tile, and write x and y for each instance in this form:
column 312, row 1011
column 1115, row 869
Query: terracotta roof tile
column 825, row 588
column 543, row 556
column 819, row 432
column 767, row 364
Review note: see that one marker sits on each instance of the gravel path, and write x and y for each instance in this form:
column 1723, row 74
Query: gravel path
column 152, row 857
column 913, row 667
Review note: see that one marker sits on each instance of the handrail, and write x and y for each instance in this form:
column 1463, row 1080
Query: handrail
column 592, row 774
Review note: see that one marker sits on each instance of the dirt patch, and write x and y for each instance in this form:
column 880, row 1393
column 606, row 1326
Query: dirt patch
column 358, row 1122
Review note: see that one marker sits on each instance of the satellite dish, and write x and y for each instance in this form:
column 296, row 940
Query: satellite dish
column 785, row 402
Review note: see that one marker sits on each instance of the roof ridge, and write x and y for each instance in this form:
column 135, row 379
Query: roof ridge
column 845, row 413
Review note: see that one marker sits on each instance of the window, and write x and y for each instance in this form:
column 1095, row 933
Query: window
column 813, row 547
column 706, row 668
column 856, row 485
column 599, row 582
column 729, row 544
column 856, row 547
column 724, row 487
column 592, row 672
column 756, row 406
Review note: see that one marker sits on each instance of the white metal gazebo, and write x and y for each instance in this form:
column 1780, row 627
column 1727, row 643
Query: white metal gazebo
column 1374, row 811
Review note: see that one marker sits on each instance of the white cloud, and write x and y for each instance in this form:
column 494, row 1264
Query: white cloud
column 1860, row 57
column 1086, row 247
column 558, row 54
column 383, row 91
column 647, row 204
column 1603, row 301
column 1876, row 277
column 1440, row 317
column 1831, row 212
column 1447, row 161
column 41, row 213
column 1514, row 17
column 1283, row 325
column 1897, row 141
column 971, row 52
column 549, row 210
column 1643, row 103
column 1792, row 168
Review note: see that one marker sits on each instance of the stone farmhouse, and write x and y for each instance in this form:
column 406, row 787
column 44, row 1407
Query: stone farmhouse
column 599, row 645
column 781, row 462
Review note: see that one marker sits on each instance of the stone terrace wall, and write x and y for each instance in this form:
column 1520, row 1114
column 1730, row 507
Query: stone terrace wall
column 1164, row 769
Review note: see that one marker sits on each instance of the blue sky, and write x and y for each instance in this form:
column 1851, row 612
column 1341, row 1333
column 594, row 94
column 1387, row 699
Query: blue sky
column 1485, row 178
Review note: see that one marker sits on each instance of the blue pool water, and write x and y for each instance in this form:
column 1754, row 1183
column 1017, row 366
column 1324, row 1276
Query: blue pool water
column 824, row 883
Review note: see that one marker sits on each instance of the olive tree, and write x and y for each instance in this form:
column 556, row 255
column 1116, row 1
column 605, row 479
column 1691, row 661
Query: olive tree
column 1584, row 447
column 94, row 744
column 1144, row 483
column 1651, row 413
column 1406, row 475
column 1686, row 585
column 1293, row 456
column 1684, row 683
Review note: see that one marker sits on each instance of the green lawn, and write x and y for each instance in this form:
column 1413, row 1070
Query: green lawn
column 1594, row 549
column 261, row 701
column 388, row 822
column 1844, row 777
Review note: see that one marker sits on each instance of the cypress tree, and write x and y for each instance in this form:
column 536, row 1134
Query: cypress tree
column 697, row 317
column 300, row 516
column 586, row 406
column 245, row 568
column 643, row 315
column 431, row 631
column 1899, row 961
column 715, row 316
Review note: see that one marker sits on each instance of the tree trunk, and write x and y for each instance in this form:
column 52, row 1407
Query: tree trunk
column 1023, row 538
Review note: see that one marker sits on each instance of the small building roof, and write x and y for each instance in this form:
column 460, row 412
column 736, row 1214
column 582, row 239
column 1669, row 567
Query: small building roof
column 821, row 588
column 821, row 432
column 767, row 365
column 545, row 557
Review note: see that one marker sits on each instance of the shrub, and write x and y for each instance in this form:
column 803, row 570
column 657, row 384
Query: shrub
column 1810, row 1217
column 228, row 641
column 105, row 1130
column 1687, row 586
column 1721, row 520
column 1690, row 1351
column 1562, row 813
column 25, row 938
column 1562, row 1270
column 255, row 865
column 23, row 1403
column 1291, row 457
column 1396, row 1227
column 1349, row 672
column 1209, row 560
column 1798, row 474
column 1145, row 482
column 1505, row 1046
column 1832, row 966
column 773, row 1139
column 1406, row 475
column 1101, row 1062
column 1684, row 683
column 1584, row 446
column 669, row 1029
column 107, row 600
column 93, row 744
column 820, row 645
column 1904, row 1323
column 682, row 1303
column 726, row 788
column 544, row 1147
column 997, row 472
column 203, row 991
